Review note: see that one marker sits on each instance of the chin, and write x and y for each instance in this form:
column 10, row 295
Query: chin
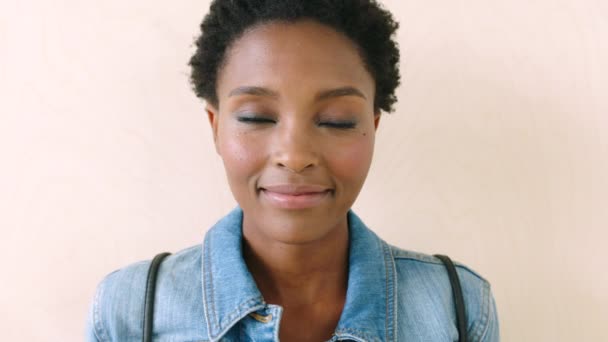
column 298, row 229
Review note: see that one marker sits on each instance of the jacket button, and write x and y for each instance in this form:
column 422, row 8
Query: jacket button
column 260, row 318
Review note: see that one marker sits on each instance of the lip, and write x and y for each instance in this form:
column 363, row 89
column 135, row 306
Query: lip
column 295, row 196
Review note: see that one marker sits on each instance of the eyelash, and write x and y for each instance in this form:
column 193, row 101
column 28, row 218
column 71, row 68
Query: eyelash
column 253, row 119
column 339, row 125
column 258, row 120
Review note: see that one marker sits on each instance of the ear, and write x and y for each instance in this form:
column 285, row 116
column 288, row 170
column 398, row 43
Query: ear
column 377, row 119
column 213, row 116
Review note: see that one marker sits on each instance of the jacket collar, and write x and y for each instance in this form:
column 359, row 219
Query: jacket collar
column 230, row 292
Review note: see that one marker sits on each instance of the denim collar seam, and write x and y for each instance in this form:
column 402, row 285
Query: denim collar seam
column 375, row 329
column 248, row 306
column 235, row 316
column 389, row 264
column 212, row 325
column 215, row 326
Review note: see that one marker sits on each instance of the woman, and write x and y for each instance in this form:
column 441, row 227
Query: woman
column 294, row 92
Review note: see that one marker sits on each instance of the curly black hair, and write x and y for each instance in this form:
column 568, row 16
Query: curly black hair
column 365, row 22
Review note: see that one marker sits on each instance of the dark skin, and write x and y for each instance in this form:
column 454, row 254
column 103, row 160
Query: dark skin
column 308, row 282
column 307, row 78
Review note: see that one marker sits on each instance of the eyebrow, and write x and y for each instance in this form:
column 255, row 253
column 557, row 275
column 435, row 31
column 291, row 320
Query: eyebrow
column 338, row 92
column 322, row 95
column 255, row 91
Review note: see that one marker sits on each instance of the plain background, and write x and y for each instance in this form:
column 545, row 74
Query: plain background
column 497, row 154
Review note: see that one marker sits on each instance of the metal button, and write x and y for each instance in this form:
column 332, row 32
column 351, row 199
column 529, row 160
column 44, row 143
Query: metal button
column 260, row 318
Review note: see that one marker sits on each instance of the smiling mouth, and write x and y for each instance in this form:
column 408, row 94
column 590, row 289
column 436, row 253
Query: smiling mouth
column 295, row 197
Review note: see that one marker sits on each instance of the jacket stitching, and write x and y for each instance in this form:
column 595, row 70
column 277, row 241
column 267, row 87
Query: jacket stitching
column 213, row 323
column 395, row 297
column 480, row 326
column 208, row 288
column 386, row 303
column 388, row 261
column 98, row 324
column 419, row 257
column 233, row 322
column 354, row 334
column 239, row 310
column 486, row 313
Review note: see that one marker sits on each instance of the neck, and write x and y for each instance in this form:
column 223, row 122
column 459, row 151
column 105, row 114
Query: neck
column 299, row 274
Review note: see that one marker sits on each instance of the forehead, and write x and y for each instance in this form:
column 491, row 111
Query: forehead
column 293, row 57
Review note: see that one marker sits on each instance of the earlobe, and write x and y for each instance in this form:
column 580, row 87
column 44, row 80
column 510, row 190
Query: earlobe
column 212, row 116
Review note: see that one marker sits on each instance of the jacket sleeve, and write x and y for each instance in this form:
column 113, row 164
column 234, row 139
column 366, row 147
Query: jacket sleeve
column 492, row 331
column 117, row 309
column 91, row 334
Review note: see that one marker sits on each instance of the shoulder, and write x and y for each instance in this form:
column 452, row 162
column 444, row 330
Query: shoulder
column 417, row 260
column 423, row 279
column 118, row 306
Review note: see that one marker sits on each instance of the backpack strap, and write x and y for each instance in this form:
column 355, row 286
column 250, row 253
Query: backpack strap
column 461, row 320
column 149, row 296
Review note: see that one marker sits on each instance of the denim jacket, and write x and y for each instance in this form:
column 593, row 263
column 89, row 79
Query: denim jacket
column 206, row 293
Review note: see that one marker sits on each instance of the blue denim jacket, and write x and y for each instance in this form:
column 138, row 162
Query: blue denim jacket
column 207, row 294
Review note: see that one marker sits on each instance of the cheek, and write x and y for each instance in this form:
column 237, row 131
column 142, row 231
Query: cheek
column 241, row 155
column 350, row 162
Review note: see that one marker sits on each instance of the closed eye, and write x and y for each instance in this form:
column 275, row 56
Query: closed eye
column 339, row 125
column 254, row 120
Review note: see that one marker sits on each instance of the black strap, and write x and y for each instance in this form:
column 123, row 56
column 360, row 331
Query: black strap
column 149, row 298
column 461, row 320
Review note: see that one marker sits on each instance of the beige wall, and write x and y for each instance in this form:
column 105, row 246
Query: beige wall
column 497, row 155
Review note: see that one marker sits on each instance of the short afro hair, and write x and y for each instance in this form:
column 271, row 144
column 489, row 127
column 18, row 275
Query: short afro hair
column 365, row 22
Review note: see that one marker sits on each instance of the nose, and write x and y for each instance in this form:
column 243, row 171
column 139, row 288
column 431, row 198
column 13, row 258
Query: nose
column 295, row 149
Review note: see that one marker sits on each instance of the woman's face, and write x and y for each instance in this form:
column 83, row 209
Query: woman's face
column 295, row 128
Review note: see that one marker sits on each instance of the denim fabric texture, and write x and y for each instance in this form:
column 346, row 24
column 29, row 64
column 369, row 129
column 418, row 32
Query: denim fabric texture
column 206, row 293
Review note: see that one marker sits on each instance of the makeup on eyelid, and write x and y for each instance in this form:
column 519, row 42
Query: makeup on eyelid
column 334, row 124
